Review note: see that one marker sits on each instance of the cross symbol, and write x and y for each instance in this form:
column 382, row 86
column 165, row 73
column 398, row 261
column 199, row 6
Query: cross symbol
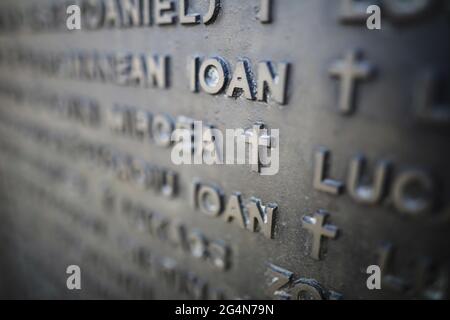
column 349, row 71
column 318, row 229
column 257, row 137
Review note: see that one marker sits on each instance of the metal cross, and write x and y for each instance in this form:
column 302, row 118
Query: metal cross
column 318, row 229
column 349, row 71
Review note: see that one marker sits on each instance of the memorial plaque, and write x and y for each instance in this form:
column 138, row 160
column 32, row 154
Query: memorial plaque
column 122, row 129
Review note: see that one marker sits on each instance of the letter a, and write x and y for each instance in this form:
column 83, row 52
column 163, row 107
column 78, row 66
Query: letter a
column 74, row 280
column 374, row 280
column 374, row 21
column 73, row 21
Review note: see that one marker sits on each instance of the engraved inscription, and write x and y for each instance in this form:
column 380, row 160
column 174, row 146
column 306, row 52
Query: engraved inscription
column 251, row 215
column 213, row 75
column 349, row 71
column 318, row 228
column 281, row 284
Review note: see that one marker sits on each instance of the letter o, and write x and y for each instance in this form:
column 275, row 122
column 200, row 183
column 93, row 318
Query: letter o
column 162, row 127
column 307, row 289
column 197, row 244
column 213, row 75
column 209, row 200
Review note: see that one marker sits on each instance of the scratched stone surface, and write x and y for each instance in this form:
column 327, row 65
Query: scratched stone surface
column 86, row 176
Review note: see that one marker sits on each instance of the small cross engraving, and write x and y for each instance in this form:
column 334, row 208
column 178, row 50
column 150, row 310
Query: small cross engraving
column 318, row 229
column 349, row 71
